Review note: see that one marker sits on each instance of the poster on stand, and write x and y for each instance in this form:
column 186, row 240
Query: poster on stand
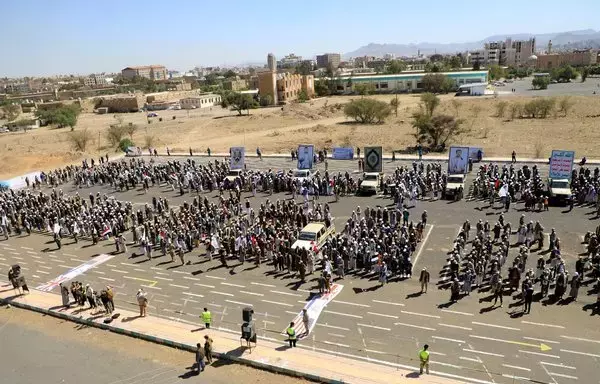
column 238, row 156
column 561, row 164
column 458, row 160
column 306, row 153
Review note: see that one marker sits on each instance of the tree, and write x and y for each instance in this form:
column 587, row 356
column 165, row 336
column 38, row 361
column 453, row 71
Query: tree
column 565, row 104
column 501, row 108
column 429, row 102
column 496, row 72
column 455, row 62
column 437, row 130
column 238, row 102
column 584, row 74
column 304, row 68
column 476, row 66
column 80, row 139
column 302, row 96
column 229, row 74
column 437, row 83
column 395, row 66
column 394, row 103
column 540, row 82
column 131, row 129
column 12, row 111
column 125, row 143
column 364, row 89
column 266, row 100
column 321, row 88
column 210, row 79
column 367, row 111
column 63, row 116
column 115, row 133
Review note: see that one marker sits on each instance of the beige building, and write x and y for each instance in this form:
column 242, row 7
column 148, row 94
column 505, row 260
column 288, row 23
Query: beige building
column 235, row 85
column 329, row 60
column 95, row 80
column 285, row 87
column 152, row 72
column 202, row 101
column 575, row 58
column 507, row 52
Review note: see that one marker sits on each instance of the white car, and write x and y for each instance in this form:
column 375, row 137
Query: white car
column 233, row 175
column 455, row 184
column 370, row 183
column 302, row 175
column 313, row 236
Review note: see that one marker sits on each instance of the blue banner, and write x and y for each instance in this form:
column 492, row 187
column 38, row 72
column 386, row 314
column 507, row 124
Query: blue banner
column 343, row 153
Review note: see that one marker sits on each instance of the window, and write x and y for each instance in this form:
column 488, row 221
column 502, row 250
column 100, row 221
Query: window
column 383, row 85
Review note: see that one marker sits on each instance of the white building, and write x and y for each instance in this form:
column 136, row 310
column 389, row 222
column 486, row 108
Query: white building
column 202, row 101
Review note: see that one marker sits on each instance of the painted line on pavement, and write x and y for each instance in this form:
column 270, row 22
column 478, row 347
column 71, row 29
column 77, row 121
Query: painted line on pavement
column 161, row 273
column 580, row 353
column 446, row 364
column 343, row 314
column 333, row 327
column 540, row 354
column 191, row 278
column 455, row 326
column 44, row 266
column 543, row 324
column 30, row 249
column 542, row 340
column 181, row 272
column 557, row 365
column 150, row 286
column 215, row 277
column 348, row 303
column 111, row 265
column 192, row 294
column 516, row 367
column 561, row 375
column 373, row 326
column 252, row 293
column 119, row 271
column 139, row 270
column 477, row 360
column 579, row 339
column 388, row 303
column 36, row 276
column 38, row 261
column 264, row 285
column 240, row 303
column 336, row 335
column 98, row 272
column 193, row 301
column 514, row 377
column 179, row 286
column 423, row 245
column 336, row 344
column 482, row 352
column 15, row 257
column 205, row 285
column 162, row 278
column 448, row 339
column 291, row 313
column 76, row 259
column 222, row 293
column 36, row 257
column 234, row 285
column 176, row 304
column 495, row 326
column 457, row 312
column 286, row 293
column 106, row 278
column 277, row 303
column 383, row 315
column 129, row 264
column 374, row 351
column 44, row 272
column 437, row 353
column 415, row 326
column 420, row 314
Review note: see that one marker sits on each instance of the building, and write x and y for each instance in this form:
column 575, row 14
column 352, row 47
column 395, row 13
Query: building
column 271, row 62
column 284, row 87
column 577, row 58
column 406, row 82
column 199, row 102
column 289, row 61
column 474, row 89
column 235, row 85
column 329, row 60
column 95, row 80
column 505, row 53
column 152, row 72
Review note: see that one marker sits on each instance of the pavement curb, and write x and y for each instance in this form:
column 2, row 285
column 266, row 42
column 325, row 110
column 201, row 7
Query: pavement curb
column 171, row 343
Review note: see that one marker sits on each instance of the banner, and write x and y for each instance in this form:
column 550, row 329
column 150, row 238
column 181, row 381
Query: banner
column 237, row 158
column 306, row 154
column 314, row 308
column 475, row 153
column 343, row 153
column 458, row 160
column 19, row 181
column 74, row 272
column 561, row 164
column 373, row 159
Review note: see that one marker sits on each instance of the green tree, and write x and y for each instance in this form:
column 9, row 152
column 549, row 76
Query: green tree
column 12, row 111
column 302, row 96
column 584, row 74
column 395, row 104
column 476, row 66
column 367, row 111
column 455, row 62
column 364, row 89
column 304, row 68
column 238, row 102
column 229, row 74
column 540, row 82
column 321, row 88
column 266, row 100
column 65, row 116
column 395, row 66
column 437, row 83
column 429, row 103
column 131, row 129
column 210, row 79
column 80, row 139
column 496, row 72
column 437, row 130
column 115, row 133
column 125, row 143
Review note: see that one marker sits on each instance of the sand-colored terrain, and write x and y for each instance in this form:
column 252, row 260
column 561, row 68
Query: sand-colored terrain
column 320, row 122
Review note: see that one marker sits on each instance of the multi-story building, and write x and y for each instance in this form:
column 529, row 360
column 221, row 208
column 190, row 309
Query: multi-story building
column 508, row 52
column 271, row 62
column 289, row 61
column 577, row 58
column 95, row 80
column 235, row 85
column 329, row 60
column 284, row 87
column 152, row 72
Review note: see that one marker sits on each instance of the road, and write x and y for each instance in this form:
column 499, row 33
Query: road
column 469, row 340
column 44, row 349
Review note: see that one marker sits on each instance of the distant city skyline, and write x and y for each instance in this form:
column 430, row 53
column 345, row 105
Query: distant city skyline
column 74, row 37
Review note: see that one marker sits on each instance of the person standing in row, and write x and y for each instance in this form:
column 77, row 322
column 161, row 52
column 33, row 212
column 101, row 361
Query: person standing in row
column 424, row 280
column 208, row 343
column 424, row 359
column 291, row 332
column 199, row 358
column 206, row 318
column 142, row 301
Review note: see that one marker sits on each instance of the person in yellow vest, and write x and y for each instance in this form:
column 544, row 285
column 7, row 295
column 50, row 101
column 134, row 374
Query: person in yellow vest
column 291, row 332
column 206, row 318
column 424, row 357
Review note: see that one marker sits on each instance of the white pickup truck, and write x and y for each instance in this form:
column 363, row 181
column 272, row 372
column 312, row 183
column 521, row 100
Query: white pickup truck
column 370, row 183
column 455, row 187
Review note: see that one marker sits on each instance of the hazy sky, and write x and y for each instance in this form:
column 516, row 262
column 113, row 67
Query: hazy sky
column 44, row 37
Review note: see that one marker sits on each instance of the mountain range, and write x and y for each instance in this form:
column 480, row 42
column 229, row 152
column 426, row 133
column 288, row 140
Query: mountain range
column 560, row 40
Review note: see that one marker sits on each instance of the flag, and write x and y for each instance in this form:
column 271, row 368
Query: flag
column 106, row 231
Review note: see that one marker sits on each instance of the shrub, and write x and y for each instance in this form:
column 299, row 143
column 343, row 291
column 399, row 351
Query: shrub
column 540, row 82
column 80, row 139
column 565, row 104
column 115, row 133
column 501, row 108
column 125, row 143
column 367, row 111
column 149, row 141
column 516, row 110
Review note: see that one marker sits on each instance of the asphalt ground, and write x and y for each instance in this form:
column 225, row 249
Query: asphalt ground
column 469, row 340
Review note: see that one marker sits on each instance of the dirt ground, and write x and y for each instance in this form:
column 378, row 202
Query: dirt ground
column 320, row 122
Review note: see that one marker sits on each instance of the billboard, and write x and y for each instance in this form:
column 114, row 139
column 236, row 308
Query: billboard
column 343, row 153
column 458, row 160
column 237, row 158
column 373, row 159
column 475, row 153
column 306, row 153
column 561, row 164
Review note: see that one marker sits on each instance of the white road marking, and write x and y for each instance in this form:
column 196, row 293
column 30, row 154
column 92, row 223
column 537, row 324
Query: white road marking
column 373, row 326
column 15, row 257
column 239, row 303
column 291, row 313
column 176, row 304
column 447, row 339
column 192, row 294
column 222, row 293
column 111, row 265
column 163, row 278
column 139, row 270
column 495, row 326
column 180, row 286
column 374, row 351
column 482, row 352
column 129, row 264
column 333, row 327
column 98, row 272
column 516, row 367
column 343, row 314
column 513, row 377
column 44, row 272
column 2, row 258
column 205, row 285
column 423, row 245
column 336, row 344
column 446, row 364
column 193, row 301
column 335, row 335
column 561, row 375
column 4, row 264
column 437, row 353
column 252, row 293
column 382, row 315
column 580, row 353
column 388, row 303
column 75, row 259
column 35, row 276
column 348, row 303
column 557, row 365
column 420, row 314
column 106, row 278
column 415, row 326
column 191, row 278
column 234, row 285
column 160, row 273
column 457, row 312
column 542, row 324
column 181, row 272
column 277, row 303
column 44, row 266
column 455, row 326
column 542, row 340
column 31, row 249
column 151, row 287
column 286, row 293
column 539, row 354
column 36, row 257
column 264, row 285
column 215, row 277
column 119, row 271
column 470, row 359
column 580, row 339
